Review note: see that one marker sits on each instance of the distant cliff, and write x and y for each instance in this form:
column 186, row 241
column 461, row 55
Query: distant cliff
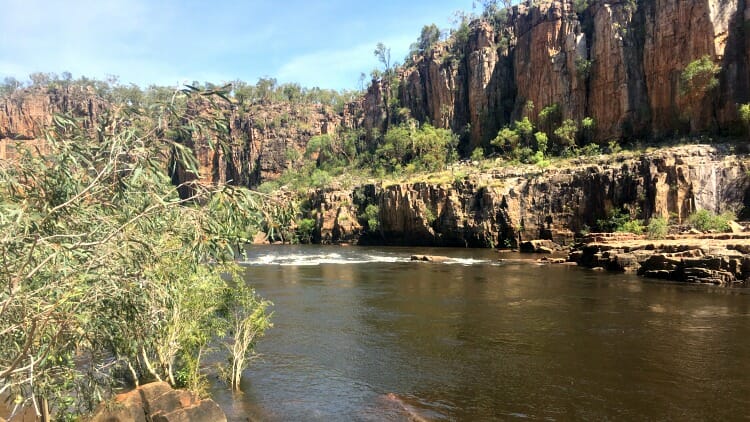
column 616, row 61
column 266, row 138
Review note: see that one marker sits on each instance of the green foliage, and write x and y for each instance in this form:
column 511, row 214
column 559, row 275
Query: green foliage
column 632, row 226
column 542, row 142
column 614, row 147
column 699, row 76
column 496, row 14
column 705, row 220
column 550, row 114
column 580, row 6
column 305, row 229
column 619, row 220
column 507, row 140
column 320, row 178
column 697, row 81
column 424, row 148
column 583, row 67
column 106, row 265
column 657, row 228
column 567, row 133
column 590, row 150
column 372, row 217
column 477, row 154
column 429, row 36
column 248, row 318
column 744, row 112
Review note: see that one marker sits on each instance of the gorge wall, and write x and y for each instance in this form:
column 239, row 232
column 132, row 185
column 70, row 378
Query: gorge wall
column 522, row 203
column 617, row 61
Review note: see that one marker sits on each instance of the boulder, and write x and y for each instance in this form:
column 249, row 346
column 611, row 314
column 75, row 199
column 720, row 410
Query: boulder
column 158, row 402
column 538, row 246
column 429, row 258
column 735, row 227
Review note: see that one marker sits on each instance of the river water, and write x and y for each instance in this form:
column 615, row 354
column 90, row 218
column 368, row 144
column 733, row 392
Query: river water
column 364, row 334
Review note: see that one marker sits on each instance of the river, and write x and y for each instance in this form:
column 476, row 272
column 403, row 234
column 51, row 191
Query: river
column 364, row 334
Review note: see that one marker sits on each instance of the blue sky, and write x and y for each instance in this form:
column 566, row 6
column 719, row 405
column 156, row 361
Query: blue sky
column 326, row 44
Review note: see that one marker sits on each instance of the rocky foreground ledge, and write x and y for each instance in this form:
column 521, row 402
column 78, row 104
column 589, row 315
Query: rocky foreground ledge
column 720, row 259
column 158, row 402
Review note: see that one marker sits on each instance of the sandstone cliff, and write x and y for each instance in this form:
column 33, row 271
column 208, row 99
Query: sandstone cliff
column 616, row 61
column 266, row 139
column 504, row 206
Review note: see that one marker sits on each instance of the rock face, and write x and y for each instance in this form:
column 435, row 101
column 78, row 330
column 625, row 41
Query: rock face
column 710, row 259
column 509, row 206
column 616, row 61
column 266, row 139
column 25, row 114
column 158, row 402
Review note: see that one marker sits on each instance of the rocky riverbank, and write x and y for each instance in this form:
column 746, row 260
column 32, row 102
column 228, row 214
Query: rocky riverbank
column 505, row 206
column 721, row 259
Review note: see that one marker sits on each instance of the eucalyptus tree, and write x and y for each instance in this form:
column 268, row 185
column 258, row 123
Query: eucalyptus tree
column 105, row 268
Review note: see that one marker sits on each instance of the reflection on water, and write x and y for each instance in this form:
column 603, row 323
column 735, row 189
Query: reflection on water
column 363, row 334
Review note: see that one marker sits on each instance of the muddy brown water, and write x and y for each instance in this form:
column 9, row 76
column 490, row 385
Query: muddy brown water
column 364, row 334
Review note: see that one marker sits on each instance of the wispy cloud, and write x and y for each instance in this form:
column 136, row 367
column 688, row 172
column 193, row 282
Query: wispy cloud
column 144, row 41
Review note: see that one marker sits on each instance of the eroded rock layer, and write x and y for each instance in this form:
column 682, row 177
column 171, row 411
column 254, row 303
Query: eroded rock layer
column 506, row 206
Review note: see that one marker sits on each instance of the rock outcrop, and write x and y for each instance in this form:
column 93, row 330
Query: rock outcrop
column 512, row 205
column 722, row 259
column 158, row 402
column 24, row 115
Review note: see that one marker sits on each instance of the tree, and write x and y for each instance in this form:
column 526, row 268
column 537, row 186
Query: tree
column 105, row 266
column 697, row 82
column 429, row 36
column 567, row 133
column 744, row 112
column 248, row 320
column 10, row 85
column 383, row 54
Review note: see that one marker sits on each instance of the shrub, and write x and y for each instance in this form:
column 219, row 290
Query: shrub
column 591, row 149
column 744, row 112
column 305, row 228
column 705, row 220
column 372, row 217
column 583, row 67
column 320, row 178
column 616, row 221
column 477, row 154
column 542, row 141
column 699, row 76
column 657, row 228
column 614, row 147
column 567, row 133
column 631, row 226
